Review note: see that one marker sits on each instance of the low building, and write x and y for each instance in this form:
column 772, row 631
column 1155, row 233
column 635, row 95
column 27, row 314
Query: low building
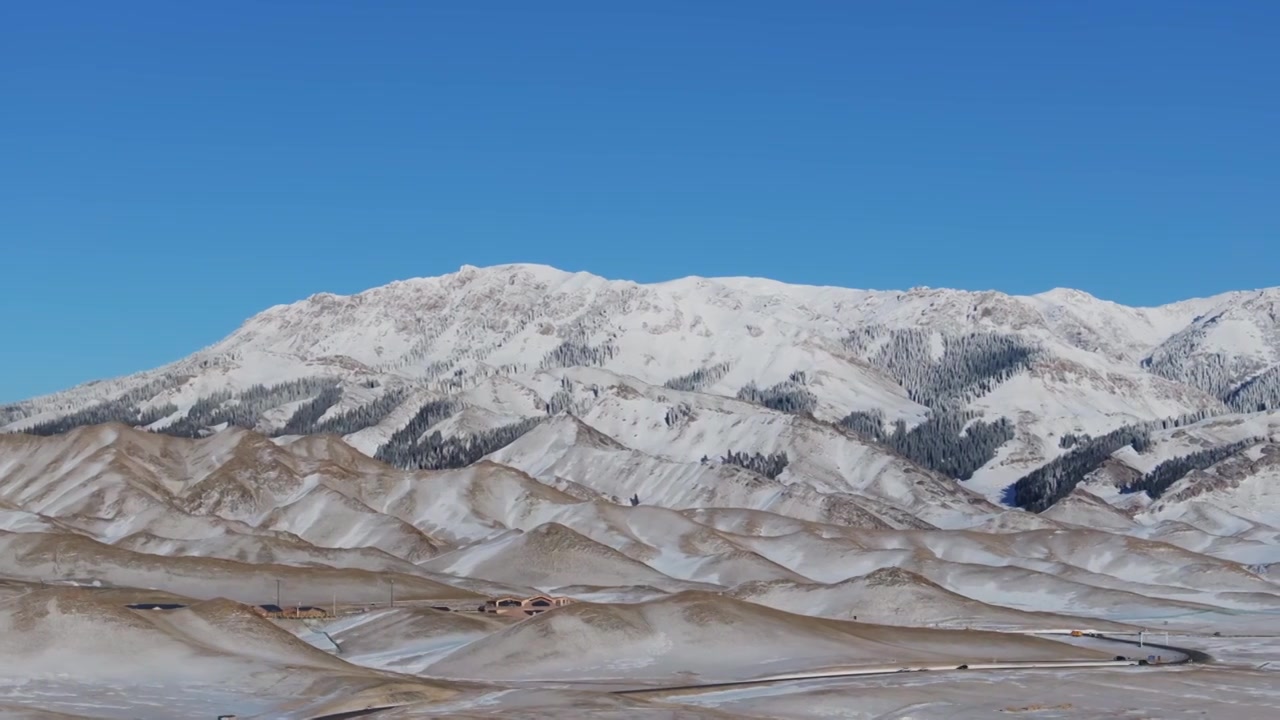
column 155, row 606
column 295, row 612
column 521, row 607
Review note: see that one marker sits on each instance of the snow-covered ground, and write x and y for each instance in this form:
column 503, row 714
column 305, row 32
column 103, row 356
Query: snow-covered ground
column 707, row 530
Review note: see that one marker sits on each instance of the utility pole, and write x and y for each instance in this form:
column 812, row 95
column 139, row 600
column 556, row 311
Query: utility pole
column 278, row 594
column 335, row 603
column 393, row 592
column 1140, row 638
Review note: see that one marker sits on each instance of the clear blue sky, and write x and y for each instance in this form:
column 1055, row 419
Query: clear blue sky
column 169, row 168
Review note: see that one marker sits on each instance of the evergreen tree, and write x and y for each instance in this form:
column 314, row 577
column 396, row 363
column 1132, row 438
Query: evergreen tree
column 771, row 465
column 1156, row 482
column 1070, row 440
column 404, row 447
column 1260, row 393
column 699, row 379
column 305, row 419
column 789, row 396
column 365, row 416
column 576, row 352
column 245, row 408
column 126, row 408
column 970, row 366
column 952, row 442
column 436, row 452
column 678, row 414
column 1046, row 485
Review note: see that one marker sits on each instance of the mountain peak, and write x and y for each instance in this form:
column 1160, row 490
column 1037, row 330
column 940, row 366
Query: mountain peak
column 483, row 354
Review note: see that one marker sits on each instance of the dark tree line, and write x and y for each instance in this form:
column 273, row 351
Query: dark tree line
column 365, row 416
column 1181, row 420
column 155, row 414
column 305, row 419
column 867, row 423
column 206, row 408
column 104, row 412
column 436, row 452
column 576, row 353
column 1177, row 360
column 970, row 366
column 952, row 440
column 942, row 442
column 771, row 465
column 1070, row 440
column 1213, row 373
column 1156, row 482
column 790, row 395
column 245, row 408
column 127, row 409
column 699, row 379
column 1046, row 485
column 1260, row 394
column 403, row 444
column 1220, row 375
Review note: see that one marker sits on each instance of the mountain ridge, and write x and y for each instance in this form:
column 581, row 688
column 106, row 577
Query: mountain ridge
column 984, row 386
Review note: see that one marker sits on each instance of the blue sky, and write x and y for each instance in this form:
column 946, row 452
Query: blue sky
column 168, row 169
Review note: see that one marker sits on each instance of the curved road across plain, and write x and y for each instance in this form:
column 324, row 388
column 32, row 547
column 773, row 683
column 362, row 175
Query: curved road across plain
column 1187, row 656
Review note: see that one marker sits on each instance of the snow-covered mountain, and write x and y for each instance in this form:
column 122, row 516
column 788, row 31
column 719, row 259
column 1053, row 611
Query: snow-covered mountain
column 838, row 390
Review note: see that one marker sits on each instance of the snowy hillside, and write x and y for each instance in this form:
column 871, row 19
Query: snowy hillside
column 983, row 387
column 684, row 570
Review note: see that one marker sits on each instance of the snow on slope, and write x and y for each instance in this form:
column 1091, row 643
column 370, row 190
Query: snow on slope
column 1237, row 496
column 637, row 388
column 323, row 511
column 484, row 335
column 699, row 635
column 566, row 450
column 407, row 639
column 547, row 557
column 892, row 596
column 37, row 557
column 77, row 652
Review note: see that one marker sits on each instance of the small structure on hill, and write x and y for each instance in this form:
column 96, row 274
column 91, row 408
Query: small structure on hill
column 520, row 607
column 155, row 606
column 296, row 612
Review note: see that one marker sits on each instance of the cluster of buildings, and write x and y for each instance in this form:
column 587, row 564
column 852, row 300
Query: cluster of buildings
column 508, row 606
column 522, row 607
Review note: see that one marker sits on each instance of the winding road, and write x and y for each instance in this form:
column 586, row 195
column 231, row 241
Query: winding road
column 1171, row 656
column 1179, row 656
